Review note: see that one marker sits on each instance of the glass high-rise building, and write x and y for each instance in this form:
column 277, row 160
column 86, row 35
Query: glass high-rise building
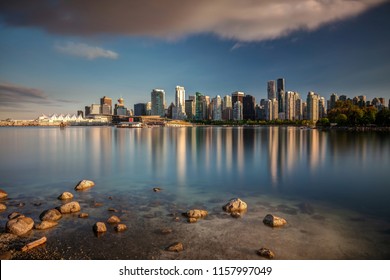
column 158, row 102
column 312, row 104
column 249, row 104
column 281, row 90
column 271, row 89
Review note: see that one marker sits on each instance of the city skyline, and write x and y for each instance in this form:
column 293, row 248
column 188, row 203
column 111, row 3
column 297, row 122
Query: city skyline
column 59, row 63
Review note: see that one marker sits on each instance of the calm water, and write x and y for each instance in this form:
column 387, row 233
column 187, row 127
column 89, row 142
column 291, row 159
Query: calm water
column 342, row 176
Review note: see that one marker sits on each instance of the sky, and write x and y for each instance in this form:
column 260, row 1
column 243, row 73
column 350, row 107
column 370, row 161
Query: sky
column 58, row 56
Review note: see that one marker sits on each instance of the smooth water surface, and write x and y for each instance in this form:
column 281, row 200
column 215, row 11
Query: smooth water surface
column 284, row 170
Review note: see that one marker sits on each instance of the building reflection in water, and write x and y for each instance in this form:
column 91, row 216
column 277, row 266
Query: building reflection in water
column 181, row 154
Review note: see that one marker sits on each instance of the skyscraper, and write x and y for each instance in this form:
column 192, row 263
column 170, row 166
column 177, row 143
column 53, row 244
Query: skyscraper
column 237, row 111
column 237, row 96
column 180, row 103
column 333, row 100
column 199, row 106
column 158, row 102
column 140, row 109
column 190, row 108
column 321, row 108
column 271, row 89
column 291, row 98
column 312, row 106
column 281, row 90
column 227, row 108
column 106, row 105
column 217, row 108
column 249, row 103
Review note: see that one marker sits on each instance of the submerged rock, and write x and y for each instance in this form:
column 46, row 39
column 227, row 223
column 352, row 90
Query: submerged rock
column 84, row 184
column 120, row 227
column 195, row 214
column 266, row 253
column 175, row 247
column 2, row 207
column 274, row 221
column 99, row 227
column 236, row 215
column 19, row 226
column 65, row 196
column 157, row 189
column 70, row 207
column 50, row 215
column 113, row 220
column 3, row 194
column 166, row 230
column 45, row 225
column 83, row 215
column 235, row 205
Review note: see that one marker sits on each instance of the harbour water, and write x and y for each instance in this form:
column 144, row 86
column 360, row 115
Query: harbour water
column 332, row 187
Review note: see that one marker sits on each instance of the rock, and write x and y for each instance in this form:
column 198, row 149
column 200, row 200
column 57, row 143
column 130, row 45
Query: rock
column 166, row 230
column 34, row 244
column 50, row 215
column 236, row 215
column 98, row 204
column 266, row 253
column 99, row 227
column 192, row 220
column 84, row 184
column 120, row 227
column 196, row 213
column 235, row 205
column 45, row 225
column 157, row 189
column 2, row 207
column 83, row 215
column 274, row 221
column 65, row 196
column 14, row 215
column 3, row 194
column 113, row 220
column 19, row 226
column 6, row 255
column 112, row 210
column 70, row 207
column 175, row 247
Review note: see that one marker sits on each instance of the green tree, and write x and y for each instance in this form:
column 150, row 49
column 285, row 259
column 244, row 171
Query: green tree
column 383, row 117
column 341, row 120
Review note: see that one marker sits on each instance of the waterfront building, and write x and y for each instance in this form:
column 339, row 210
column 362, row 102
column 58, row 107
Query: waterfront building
column 333, row 100
column 237, row 96
column 95, row 109
column 271, row 89
column 271, row 107
column 87, row 110
column 227, row 108
column 299, row 109
column 208, row 108
column 190, row 108
column 158, row 102
column 237, row 111
column 249, row 103
column 217, row 108
column 259, row 112
column 304, row 110
column 140, row 109
column 149, row 108
column 61, row 118
column 199, row 106
column 171, row 111
column 281, row 90
column 321, row 107
column 312, row 106
column 120, row 108
column 290, row 108
column 180, row 103
column 106, row 105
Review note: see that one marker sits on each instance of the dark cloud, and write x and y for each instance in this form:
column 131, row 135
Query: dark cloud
column 17, row 96
column 244, row 20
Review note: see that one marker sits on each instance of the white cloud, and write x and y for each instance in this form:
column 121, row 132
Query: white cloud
column 86, row 51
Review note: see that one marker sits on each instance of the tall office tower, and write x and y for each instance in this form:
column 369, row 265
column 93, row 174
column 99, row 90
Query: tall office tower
column 199, row 106
column 281, row 90
column 312, row 106
column 259, row 109
column 148, row 108
column 304, row 110
column 237, row 111
column 298, row 109
column 275, row 108
column 140, row 109
column 237, row 96
column 343, row 98
column 217, row 108
column 291, row 99
column 208, row 108
column 321, row 107
column 271, row 89
column 106, row 105
column 227, row 108
column 268, row 109
column 190, row 108
column 158, row 102
column 87, row 111
column 249, row 103
column 333, row 100
column 180, row 103
column 171, row 111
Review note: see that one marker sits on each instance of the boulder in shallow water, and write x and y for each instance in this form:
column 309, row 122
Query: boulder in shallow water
column 84, row 185
column 196, row 213
column 50, row 215
column 266, row 253
column 235, row 205
column 45, row 225
column 14, row 215
column 99, row 227
column 65, row 196
column 3, row 207
column 83, row 215
column 3, row 194
column 120, row 227
column 274, row 221
column 175, row 247
column 70, row 207
column 19, row 226
column 113, row 220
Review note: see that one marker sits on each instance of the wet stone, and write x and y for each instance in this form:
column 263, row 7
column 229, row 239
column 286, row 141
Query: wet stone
column 113, row 220
column 157, row 189
column 3, row 194
column 235, row 205
column 120, row 227
column 19, row 226
column 14, row 215
column 65, row 196
column 99, row 227
column 166, row 231
column 236, row 215
column 274, row 221
column 3, row 207
column 45, row 225
column 175, row 247
column 83, row 215
column 70, row 207
column 266, row 253
column 112, row 210
column 50, row 215
column 84, row 185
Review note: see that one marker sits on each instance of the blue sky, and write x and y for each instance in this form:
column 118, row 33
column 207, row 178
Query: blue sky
column 59, row 60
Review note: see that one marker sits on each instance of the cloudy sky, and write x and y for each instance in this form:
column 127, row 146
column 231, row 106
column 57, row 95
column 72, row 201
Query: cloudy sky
column 57, row 56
